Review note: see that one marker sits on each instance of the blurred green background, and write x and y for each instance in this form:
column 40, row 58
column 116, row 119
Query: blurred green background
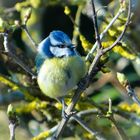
column 48, row 15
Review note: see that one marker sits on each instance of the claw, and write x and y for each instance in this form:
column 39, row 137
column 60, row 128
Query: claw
column 81, row 85
column 64, row 107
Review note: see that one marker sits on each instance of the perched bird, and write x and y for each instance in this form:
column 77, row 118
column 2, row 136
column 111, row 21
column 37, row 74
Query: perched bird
column 59, row 66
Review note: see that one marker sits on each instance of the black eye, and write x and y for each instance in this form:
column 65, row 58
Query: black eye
column 62, row 46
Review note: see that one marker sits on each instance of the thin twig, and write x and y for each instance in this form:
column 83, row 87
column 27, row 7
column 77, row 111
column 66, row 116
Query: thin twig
column 96, row 134
column 48, row 133
column 129, row 116
column 51, row 131
column 12, row 128
column 76, row 25
column 24, row 27
column 104, row 32
column 110, row 116
column 13, row 121
column 110, row 106
column 88, row 112
column 119, row 129
column 132, row 94
column 103, row 109
column 123, row 32
column 72, row 20
column 97, row 36
column 17, row 60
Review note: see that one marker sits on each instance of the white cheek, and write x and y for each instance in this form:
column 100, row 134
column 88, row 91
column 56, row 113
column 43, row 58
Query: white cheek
column 58, row 52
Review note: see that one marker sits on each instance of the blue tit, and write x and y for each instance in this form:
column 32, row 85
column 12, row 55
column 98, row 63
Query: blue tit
column 59, row 66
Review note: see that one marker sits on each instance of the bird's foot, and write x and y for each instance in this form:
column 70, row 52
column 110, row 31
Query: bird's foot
column 66, row 115
column 81, row 85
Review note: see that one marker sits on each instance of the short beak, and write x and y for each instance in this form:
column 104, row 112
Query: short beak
column 73, row 46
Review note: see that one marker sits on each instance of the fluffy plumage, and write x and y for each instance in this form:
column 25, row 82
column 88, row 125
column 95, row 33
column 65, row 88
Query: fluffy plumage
column 59, row 66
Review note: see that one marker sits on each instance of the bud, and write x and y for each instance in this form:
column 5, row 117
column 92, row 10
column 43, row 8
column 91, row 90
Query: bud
column 17, row 23
column 27, row 15
column 123, row 3
column 3, row 25
column 67, row 10
column 122, row 79
column 105, row 69
column 10, row 111
column 13, row 119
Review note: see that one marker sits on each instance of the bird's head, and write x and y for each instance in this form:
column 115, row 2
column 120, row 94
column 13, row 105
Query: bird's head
column 57, row 44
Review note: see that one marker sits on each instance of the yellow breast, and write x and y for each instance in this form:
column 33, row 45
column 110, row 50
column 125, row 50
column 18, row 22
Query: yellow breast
column 57, row 76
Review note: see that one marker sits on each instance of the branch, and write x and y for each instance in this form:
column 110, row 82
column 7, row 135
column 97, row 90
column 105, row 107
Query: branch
column 97, row 36
column 119, row 129
column 129, row 90
column 110, row 116
column 84, row 83
column 12, row 128
column 45, row 134
column 48, row 133
column 103, row 109
column 130, row 116
column 76, row 24
column 81, row 87
column 132, row 94
column 17, row 60
column 13, row 121
column 120, row 11
column 87, row 112
column 24, row 27
column 97, row 135
column 123, row 32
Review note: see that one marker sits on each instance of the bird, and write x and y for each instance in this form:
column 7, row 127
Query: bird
column 59, row 65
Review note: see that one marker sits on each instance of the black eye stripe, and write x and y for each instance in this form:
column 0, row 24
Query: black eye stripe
column 65, row 46
column 61, row 46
